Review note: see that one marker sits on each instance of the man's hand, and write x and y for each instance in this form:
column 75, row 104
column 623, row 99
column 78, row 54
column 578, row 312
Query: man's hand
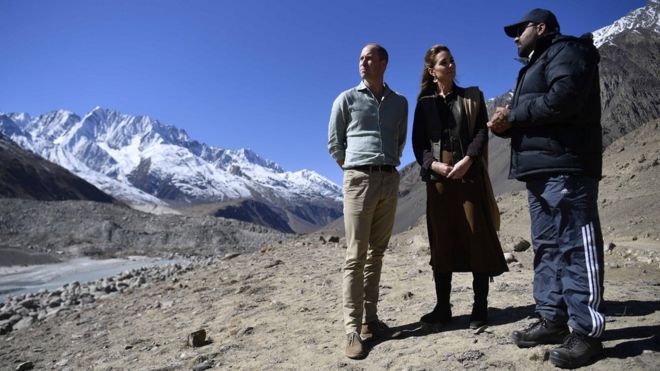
column 441, row 168
column 460, row 168
column 499, row 123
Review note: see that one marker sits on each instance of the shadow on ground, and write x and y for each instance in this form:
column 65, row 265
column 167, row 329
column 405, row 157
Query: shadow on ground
column 638, row 339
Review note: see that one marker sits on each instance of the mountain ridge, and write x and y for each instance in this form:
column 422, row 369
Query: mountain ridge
column 140, row 160
column 26, row 175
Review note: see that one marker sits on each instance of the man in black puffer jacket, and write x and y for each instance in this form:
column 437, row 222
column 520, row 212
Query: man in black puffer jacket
column 556, row 149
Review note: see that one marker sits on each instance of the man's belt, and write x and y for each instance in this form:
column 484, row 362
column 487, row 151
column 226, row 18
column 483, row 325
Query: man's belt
column 374, row 168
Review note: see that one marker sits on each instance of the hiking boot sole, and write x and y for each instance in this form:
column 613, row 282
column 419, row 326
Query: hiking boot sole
column 561, row 361
column 356, row 356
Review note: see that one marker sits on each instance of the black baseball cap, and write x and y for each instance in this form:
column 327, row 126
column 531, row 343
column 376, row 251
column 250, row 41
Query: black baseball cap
column 536, row 16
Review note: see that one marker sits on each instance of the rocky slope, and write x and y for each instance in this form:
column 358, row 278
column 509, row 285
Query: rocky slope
column 81, row 228
column 629, row 193
column 630, row 82
column 26, row 175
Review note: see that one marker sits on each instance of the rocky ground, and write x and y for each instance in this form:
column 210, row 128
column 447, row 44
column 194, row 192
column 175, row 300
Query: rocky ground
column 279, row 308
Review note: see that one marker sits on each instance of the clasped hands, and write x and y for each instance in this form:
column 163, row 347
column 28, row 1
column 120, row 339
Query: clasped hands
column 499, row 122
column 452, row 172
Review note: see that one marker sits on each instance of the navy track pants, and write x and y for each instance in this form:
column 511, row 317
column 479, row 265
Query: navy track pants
column 568, row 248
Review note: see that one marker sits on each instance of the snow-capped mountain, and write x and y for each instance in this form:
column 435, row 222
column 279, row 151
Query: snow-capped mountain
column 141, row 160
column 641, row 18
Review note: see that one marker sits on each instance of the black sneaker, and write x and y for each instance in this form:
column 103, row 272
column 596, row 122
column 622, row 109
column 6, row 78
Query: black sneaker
column 542, row 332
column 577, row 350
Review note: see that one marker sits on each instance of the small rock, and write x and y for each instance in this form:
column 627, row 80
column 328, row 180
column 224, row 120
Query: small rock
column 470, row 355
column 407, row 295
column 167, row 304
column 56, row 302
column 322, row 239
column 30, row 303
column 197, row 338
column 62, row 362
column 246, row 331
column 540, row 355
column 230, row 256
column 5, row 328
column 25, row 366
column 510, row 258
column 203, row 366
column 334, row 239
column 25, row 322
column 5, row 315
column 273, row 263
column 611, row 246
column 521, row 245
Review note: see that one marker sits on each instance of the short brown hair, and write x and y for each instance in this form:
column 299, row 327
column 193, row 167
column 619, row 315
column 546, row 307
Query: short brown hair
column 382, row 53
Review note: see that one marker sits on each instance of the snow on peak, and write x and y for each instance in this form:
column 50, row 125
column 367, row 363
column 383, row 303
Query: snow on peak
column 250, row 156
column 138, row 158
column 642, row 18
column 20, row 118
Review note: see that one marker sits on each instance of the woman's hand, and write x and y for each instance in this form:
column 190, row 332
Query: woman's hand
column 441, row 168
column 460, row 168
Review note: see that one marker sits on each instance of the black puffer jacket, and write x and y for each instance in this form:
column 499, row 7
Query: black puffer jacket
column 555, row 111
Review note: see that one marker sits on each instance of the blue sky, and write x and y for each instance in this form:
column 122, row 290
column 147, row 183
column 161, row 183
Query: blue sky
column 253, row 74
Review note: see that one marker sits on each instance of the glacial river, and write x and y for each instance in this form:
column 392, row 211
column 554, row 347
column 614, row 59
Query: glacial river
column 16, row 280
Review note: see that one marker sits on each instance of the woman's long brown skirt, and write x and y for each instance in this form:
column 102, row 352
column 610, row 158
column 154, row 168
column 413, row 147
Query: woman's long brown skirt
column 461, row 232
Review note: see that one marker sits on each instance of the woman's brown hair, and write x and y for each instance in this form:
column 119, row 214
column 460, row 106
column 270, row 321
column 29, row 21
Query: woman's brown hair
column 428, row 87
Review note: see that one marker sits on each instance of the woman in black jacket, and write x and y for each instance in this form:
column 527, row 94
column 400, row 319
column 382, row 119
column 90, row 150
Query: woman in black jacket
column 450, row 143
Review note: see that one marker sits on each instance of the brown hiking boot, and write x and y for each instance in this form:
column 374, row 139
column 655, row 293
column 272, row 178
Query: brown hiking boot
column 354, row 349
column 376, row 330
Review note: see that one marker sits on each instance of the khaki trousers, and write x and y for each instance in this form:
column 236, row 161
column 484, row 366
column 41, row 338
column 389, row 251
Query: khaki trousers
column 369, row 206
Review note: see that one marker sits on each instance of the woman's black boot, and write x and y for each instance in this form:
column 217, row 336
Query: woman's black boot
column 441, row 314
column 479, row 316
